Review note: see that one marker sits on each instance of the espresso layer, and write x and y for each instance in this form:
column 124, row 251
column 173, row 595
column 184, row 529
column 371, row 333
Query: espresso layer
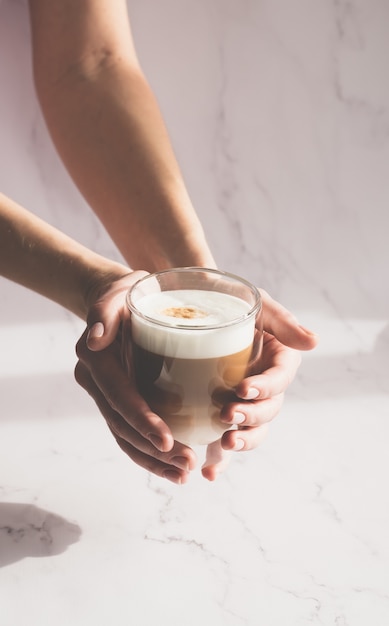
column 189, row 393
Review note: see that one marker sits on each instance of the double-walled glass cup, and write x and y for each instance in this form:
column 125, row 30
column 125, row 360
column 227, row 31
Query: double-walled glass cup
column 194, row 333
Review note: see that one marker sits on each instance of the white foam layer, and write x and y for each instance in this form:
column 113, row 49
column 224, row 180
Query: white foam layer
column 195, row 340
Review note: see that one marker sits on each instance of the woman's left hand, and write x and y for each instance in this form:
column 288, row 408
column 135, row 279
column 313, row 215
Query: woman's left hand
column 259, row 397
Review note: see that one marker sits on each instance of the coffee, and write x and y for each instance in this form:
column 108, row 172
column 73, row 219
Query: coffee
column 191, row 347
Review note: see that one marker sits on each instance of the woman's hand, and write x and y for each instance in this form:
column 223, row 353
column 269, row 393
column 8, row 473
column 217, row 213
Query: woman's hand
column 260, row 395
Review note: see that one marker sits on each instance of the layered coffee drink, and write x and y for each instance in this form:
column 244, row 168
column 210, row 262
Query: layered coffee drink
column 191, row 347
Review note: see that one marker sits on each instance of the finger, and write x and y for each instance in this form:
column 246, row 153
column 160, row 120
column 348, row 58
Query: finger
column 105, row 316
column 180, row 460
column 216, row 461
column 284, row 363
column 109, row 382
column 103, row 323
column 246, row 439
column 252, row 413
column 180, row 456
column 280, row 322
column 164, row 470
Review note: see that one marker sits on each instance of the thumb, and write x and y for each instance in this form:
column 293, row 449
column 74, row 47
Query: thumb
column 103, row 324
column 280, row 322
column 108, row 312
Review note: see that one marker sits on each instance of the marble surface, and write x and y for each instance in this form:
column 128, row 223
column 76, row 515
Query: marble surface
column 280, row 120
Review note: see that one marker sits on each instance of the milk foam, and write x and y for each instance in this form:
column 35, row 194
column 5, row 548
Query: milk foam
column 190, row 337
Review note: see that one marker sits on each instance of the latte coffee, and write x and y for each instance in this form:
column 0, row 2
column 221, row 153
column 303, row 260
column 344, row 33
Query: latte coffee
column 190, row 348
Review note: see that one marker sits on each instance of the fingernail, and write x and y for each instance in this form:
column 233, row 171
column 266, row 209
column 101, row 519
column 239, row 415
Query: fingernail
column 238, row 418
column 172, row 475
column 181, row 462
column 96, row 331
column 239, row 444
column 252, row 393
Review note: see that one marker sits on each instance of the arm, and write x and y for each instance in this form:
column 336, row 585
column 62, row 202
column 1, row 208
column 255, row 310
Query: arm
column 107, row 127
column 40, row 257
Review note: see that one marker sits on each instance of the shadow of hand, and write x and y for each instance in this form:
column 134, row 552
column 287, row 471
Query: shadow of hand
column 29, row 531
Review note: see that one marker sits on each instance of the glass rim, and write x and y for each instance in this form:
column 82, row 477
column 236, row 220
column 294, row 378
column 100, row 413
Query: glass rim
column 254, row 309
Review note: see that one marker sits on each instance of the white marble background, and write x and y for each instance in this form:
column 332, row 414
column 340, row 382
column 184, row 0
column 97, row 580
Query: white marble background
column 279, row 114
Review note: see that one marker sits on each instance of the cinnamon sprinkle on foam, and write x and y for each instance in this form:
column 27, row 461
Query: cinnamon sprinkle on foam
column 184, row 312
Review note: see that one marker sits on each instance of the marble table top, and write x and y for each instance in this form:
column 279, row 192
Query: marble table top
column 295, row 532
column 280, row 121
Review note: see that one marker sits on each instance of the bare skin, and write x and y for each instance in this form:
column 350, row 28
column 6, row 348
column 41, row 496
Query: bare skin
column 108, row 130
column 42, row 258
column 258, row 398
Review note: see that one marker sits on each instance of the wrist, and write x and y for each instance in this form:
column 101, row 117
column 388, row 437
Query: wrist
column 97, row 279
column 179, row 250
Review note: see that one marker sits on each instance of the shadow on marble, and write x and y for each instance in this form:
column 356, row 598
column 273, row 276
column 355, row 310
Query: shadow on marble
column 29, row 531
column 355, row 374
column 46, row 396
column 53, row 395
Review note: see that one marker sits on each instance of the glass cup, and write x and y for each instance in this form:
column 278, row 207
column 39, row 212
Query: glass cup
column 194, row 334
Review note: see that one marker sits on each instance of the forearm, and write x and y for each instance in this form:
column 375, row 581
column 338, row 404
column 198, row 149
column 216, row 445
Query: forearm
column 108, row 129
column 41, row 258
